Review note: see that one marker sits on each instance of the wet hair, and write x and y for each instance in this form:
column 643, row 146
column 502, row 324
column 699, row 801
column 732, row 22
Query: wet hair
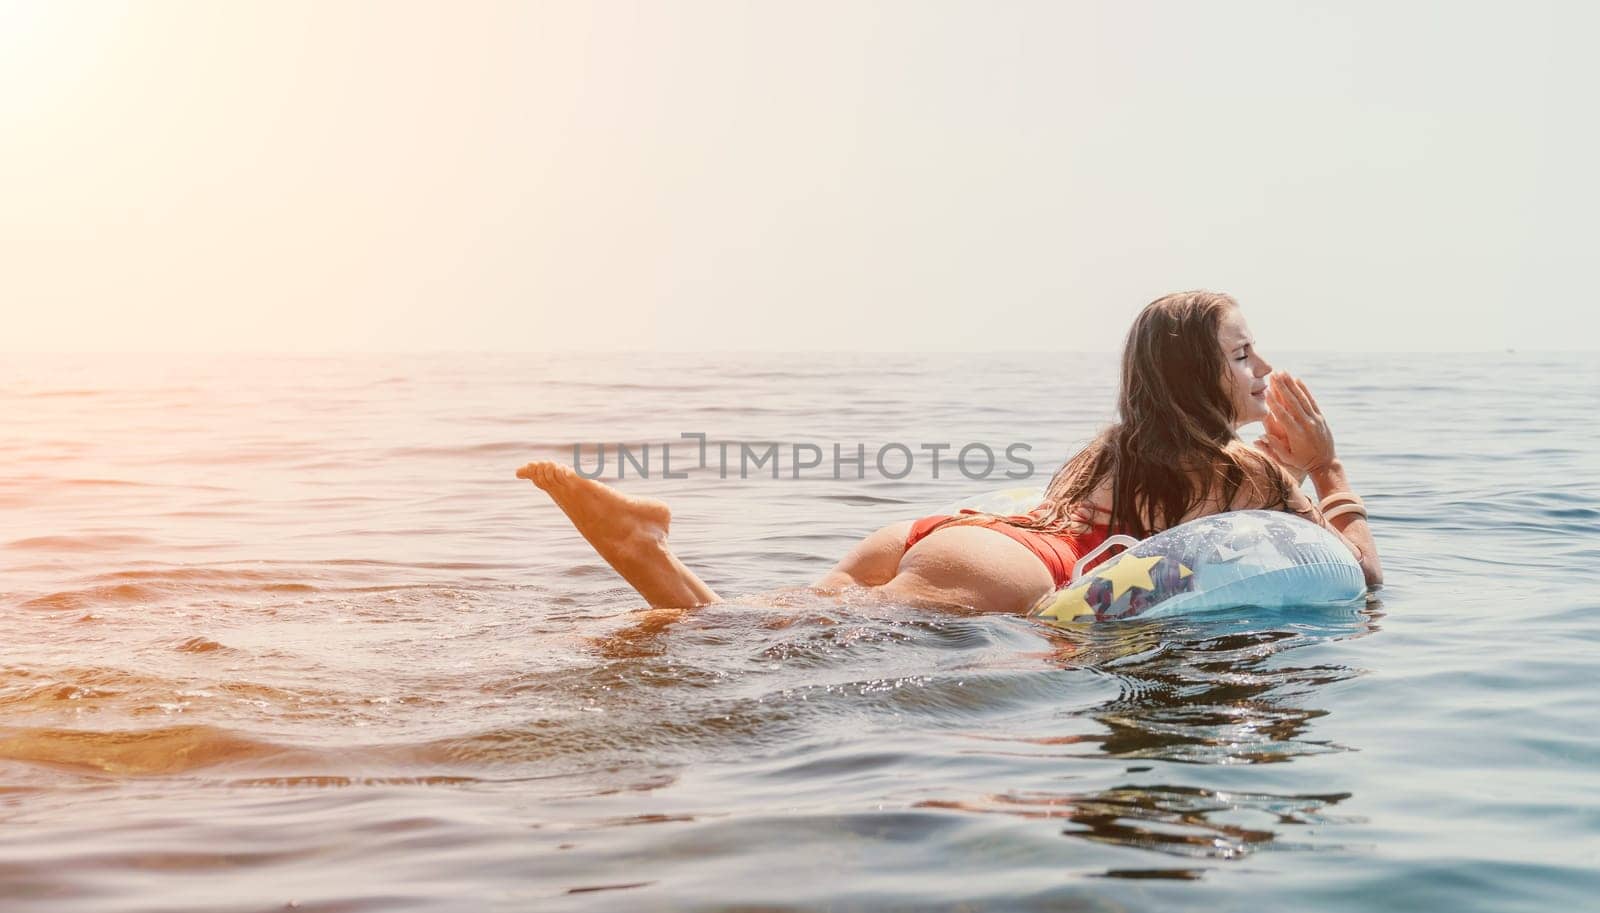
column 1169, row 452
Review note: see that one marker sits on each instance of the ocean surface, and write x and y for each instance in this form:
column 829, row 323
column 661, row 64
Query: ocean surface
column 285, row 632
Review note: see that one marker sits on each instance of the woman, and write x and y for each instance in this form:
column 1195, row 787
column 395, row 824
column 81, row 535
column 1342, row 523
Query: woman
column 1191, row 377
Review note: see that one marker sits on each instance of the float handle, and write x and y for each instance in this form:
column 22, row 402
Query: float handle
column 1125, row 541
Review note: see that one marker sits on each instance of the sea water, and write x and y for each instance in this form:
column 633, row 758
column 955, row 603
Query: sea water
column 286, row 632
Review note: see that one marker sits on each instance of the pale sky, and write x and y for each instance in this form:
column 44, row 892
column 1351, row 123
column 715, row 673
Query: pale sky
column 916, row 176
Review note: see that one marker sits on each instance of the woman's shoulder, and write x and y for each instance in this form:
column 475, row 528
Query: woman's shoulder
column 1240, row 448
column 1255, row 463
column 1264, row 483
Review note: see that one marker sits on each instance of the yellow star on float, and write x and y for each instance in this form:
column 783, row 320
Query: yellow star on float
column 1068, row 604
column 1131, row 571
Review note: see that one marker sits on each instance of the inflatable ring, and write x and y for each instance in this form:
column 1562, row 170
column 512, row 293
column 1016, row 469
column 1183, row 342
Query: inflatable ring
column 1260, row 558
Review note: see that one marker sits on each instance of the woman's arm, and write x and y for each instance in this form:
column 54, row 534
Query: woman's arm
column 1351, row 526
column 1299, row 440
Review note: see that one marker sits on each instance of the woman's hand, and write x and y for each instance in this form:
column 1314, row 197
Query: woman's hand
column 1297, row 435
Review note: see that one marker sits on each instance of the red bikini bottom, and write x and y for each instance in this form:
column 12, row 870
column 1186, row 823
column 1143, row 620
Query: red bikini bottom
column 1058, row 551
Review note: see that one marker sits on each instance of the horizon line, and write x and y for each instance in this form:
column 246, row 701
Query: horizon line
column 575, row 352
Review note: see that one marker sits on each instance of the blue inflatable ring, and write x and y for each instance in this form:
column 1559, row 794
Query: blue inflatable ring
column 1261, row 558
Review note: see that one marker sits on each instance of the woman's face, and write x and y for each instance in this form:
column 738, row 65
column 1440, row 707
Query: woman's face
column 1245, row 372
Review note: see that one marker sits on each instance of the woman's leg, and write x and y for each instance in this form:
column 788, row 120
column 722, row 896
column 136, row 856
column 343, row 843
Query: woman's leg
column 959, row 567
column 629, row 533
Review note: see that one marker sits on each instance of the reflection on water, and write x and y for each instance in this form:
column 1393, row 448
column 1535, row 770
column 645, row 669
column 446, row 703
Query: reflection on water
column 1176, row 820
column 1225, row 698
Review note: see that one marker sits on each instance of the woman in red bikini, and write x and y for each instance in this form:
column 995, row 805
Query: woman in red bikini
column 1191, row 377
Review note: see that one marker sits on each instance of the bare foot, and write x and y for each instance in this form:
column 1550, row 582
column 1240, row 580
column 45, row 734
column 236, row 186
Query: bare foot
column 606, row 517
column 629, row 533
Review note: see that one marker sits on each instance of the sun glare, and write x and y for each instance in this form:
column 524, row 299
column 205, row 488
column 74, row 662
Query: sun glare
column 46, row 49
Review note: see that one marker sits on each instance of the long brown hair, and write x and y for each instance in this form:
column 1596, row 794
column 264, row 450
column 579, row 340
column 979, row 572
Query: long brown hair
column 1170, row 450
